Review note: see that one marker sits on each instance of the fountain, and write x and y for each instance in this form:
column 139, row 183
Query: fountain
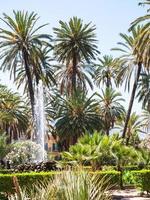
column 40, row 122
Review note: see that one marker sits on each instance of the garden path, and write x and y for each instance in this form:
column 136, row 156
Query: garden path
column 128, row 194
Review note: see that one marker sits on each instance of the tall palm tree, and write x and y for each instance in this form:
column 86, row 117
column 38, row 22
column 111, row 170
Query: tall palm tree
column 135, row 126
column 131, row 63
column 75, row 44
column 110, row 108
column 19, row 43
column 106, row 71
column 14, row 114
column 76, row 115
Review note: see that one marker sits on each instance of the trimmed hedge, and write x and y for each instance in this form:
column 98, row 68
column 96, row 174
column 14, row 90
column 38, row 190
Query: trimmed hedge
column 30, row 179
column 142, row 179
column 114, row 177
column 5, row 171
column 24, row 179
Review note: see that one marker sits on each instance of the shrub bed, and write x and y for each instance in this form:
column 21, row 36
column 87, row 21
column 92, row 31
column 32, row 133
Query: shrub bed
column 36, row 167
column 30, row 179
column 142, row 180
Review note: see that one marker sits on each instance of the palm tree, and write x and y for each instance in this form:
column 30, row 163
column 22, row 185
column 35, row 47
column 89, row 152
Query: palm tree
column 143, row 43
column 131, row 63
column 19, row 44
column 143, row 94
column 84, row 76
column 135, row 126
column 75, row 44
column 110, row 108
column 77, row 115
column 14, row 114
column 106, row 71
column 146, row 120
column 42, row 70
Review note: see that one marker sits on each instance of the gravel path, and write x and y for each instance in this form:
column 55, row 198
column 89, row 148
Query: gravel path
column 130, row 194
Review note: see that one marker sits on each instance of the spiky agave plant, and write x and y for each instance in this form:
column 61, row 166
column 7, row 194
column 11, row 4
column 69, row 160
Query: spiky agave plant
column 70, row 185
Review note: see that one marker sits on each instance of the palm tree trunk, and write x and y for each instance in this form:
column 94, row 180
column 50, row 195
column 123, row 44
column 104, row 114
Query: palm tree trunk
column 74, row 74
column 108, row 82
column 132, row 99
column 29, row 78
column 107, row 131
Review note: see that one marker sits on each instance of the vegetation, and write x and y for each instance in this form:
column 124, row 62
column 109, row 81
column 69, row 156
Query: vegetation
column 99, row 150
column 83, row 122
column 75, row 43
column 85, row 182
column 23, row 152
column 14, row 114
column 142, row 179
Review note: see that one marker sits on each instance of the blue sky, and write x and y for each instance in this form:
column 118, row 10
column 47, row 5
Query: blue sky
column 110, row 17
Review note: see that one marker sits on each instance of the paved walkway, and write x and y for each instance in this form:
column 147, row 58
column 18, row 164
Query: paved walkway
column 130, row 194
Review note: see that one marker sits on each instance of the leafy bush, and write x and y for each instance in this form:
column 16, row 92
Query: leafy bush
column 128, row 178
column 101, row 150
column 142, row 179
column 24, row 152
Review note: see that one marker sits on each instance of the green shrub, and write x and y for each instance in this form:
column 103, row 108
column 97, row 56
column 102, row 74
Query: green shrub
column 30, row 179
column 128, row 178
column 142, row 178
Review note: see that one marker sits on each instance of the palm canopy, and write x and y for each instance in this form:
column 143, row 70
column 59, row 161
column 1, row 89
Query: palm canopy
column 14, row 114
column 75, row 43
column 76, row 115
column 106, row 71
column 135, row 126
column 143, row 94
column 64, row 78
column 42, row 70
column 143, row 43
column 75, row 39
column 143, row 18
column 20, row 44
column 129, row 59
column 146, row 120
column 110, row 107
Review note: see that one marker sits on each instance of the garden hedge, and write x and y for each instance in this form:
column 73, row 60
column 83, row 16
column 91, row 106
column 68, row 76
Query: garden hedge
column 113, row 176
column 142, row 179
column 30, row 179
